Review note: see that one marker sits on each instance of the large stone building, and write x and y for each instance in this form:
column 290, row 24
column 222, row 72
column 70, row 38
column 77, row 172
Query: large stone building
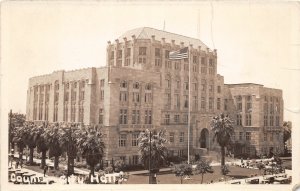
column 141, row 88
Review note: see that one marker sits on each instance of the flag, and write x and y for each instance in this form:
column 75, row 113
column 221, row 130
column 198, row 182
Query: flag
column 179, row 54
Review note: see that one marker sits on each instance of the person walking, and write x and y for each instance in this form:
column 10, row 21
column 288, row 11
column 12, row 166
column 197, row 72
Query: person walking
column 45, row 170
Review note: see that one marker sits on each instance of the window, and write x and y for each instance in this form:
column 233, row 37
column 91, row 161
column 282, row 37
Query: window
column 148, row 87
column 135, row 159
column 225, row 104
column 142, row 60
column 123, row 116
column 157, row 62
column 186, row 101
column 128, row 52
column 210, row 103
column 167, row 53
column 112, row 55
column 123, row 84
column 211, row 69
column 218, row 103
column 135, row 97
column 248, row 136
column 123, row 96
column 265, row 136
column 277, row 121
column 248, row 119
column 203, row 85
column 168, row 83
column 176, row 118
column 148, row 97
column 127, row 61
column 142, row 50
column 148, row 116
column 73, row 112
column 119, row 54
column 195, row 86
column 219, row 89
column 168, row 99
column 265, row 120
column 135, row 116
column 211, row 86
column 195, row 102
column 186, row 85
column 122, row 140
column 172, row 137
column 185, row 118
column 157, row 52
column 102, row 83
column 271, row 136
column 241, row 135
column 271, row 120
column 136, row 85
column 239, row 103
column 203, row 102
column 239, row 119
column 135, row 137
column 55, row 113
column 181, row 137
column 177, row 101
column 167, row 119
column 101, row 116
column 66, row 112
column 203, row 66
column 81, row 113
column 177, row 66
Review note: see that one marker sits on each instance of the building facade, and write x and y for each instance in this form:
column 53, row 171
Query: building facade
column 141, row 88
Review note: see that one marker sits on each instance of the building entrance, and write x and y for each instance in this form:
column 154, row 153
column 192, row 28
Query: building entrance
column 204, row 138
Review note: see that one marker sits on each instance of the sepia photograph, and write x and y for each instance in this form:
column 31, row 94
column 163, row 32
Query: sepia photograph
column 116, row 95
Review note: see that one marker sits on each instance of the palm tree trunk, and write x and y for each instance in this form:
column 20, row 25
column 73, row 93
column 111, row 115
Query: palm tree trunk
column 43, row 160
column 202, row 178
column 71, row 165
column 31, row 155
column 222, row 155
column 181, row 177
column 56, row 160
column 92, row 171
column 21, row 153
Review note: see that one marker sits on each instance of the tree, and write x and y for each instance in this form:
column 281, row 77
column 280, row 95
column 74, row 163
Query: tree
column 202, row 168
column 182, row 170
column 68, row 143
column 261, row 166
column 119, row 165
column 223, row 130
column 41, row 143
column 15, row 120
column 18, row 140
column 153, row 143
column 52, row 140
column 30, row 136
column 92, row 146
column 287, row 133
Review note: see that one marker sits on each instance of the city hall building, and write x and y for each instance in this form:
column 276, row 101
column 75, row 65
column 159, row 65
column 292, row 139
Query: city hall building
column 142, row 88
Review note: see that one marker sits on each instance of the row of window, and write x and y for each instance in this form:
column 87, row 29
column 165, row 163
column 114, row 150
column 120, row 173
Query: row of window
column 242, row 136
column 194, row 102
column 135, row 116
column 248, row 119
column 136, row 85
column 135, row 97
column 271, row 136
column 270, row 122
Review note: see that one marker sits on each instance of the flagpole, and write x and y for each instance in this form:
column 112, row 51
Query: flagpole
column 189, row 112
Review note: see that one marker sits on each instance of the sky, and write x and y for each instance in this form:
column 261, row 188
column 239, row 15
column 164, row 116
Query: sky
column 256, row 42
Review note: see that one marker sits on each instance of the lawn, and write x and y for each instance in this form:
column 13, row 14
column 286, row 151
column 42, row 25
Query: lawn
column 170, row 178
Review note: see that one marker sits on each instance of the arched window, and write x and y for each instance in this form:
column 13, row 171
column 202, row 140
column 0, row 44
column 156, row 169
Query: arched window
column 56, row 85
column 148, row 86
column 123, row 84
column 136, row 85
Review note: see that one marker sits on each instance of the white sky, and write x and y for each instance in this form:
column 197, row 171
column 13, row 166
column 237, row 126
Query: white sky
column 256, row 42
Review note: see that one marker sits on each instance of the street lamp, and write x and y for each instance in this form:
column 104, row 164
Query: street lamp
column 150, row 177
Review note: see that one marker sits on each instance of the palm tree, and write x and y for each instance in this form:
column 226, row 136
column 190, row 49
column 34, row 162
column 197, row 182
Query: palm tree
column 52, row 140
column 223, row 130
column 92, row 146
column 68, row 142
column 18, row 140
column 157, row 149
column 202, row 168
column 41, row 143
column 30, row 136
